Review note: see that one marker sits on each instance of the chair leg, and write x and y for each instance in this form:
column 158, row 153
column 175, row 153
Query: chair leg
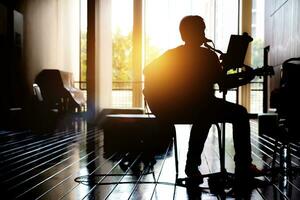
column 176, row 154
column 273, row 166
column 221, row 141
column 274, row 153
column 285, row 168
column 285, row 162
column 222, row 180
column 288, row 160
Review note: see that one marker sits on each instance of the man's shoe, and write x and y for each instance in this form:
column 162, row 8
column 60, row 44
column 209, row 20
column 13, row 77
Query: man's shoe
column 250, row 171
column 193, row 174
column 239, row 193
column 255, row 172
column 243, row 187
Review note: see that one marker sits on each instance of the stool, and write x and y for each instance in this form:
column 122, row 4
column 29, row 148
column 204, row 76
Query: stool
column 218, row 181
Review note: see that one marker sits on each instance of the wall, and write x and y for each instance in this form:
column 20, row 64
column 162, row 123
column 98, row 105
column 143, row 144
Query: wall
column 11, row 50
column 51, row 35
column 282, row 33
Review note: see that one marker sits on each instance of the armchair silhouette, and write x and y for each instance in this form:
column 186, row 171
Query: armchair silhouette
column 286, row 102
column 57, row 90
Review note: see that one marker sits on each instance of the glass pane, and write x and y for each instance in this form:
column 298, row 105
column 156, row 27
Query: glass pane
column 83, row 43
column 122, row 68
column 226, row 22
column 162, row 23
column 257, row 48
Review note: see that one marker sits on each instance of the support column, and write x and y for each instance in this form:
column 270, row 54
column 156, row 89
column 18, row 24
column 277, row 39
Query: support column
column 246, row 16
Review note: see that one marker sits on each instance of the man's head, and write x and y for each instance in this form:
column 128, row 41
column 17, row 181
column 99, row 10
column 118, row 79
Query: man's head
column 192, row 29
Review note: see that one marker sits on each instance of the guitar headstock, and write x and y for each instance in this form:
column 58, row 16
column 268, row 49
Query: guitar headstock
column 264, row 71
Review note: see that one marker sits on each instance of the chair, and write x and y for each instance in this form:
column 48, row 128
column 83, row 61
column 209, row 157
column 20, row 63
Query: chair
column 218, row 181
column 57, row 90
column 285, row 100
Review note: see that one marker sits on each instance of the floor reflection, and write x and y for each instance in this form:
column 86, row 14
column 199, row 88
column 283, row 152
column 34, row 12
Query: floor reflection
column 72, row 164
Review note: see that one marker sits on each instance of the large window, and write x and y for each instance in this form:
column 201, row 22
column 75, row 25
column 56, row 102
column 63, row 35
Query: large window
column 160, row 32
column 156, row 23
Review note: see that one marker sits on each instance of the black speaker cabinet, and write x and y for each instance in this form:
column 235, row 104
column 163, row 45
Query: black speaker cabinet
column 136, row 133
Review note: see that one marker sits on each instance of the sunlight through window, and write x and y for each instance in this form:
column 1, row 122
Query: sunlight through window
column 161, row 32
column 122, row 46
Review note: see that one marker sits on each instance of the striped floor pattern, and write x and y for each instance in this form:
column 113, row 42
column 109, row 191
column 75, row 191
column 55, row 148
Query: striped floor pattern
column 71, row 164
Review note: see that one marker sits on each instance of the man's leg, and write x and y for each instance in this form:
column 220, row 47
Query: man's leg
column 222, row 111
column 237, row 115
column 241, row 138
column 197, row 140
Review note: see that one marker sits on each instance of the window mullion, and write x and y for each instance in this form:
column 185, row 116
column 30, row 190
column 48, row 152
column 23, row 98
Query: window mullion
column 137, row 53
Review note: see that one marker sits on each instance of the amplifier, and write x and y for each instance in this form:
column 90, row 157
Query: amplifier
column 136, row 133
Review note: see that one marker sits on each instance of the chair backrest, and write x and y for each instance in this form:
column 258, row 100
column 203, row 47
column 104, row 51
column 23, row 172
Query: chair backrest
column 55, row 92
column 290, row 83
column 51, row 85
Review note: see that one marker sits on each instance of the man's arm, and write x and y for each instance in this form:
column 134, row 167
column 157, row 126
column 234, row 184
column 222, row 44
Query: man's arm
column 228, row 81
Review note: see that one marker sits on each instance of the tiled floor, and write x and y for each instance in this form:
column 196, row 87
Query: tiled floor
column 71, row 164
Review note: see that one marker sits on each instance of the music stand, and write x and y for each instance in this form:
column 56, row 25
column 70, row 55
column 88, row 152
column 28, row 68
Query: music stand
column 236, row 51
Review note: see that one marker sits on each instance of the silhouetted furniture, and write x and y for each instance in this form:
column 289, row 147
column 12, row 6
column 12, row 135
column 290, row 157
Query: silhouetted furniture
column 58, row 91
column 286, row 101
column 267, row 122
column 14, row 118
column 135, row 133
column 39, row 100
column 44, row 116
column 13, row 76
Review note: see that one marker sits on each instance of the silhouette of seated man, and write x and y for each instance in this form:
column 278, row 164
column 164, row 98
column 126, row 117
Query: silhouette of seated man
column 179, row 88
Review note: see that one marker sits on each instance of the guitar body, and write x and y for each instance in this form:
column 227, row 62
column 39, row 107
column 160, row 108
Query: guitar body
column 180, row 82
column 161, row 89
